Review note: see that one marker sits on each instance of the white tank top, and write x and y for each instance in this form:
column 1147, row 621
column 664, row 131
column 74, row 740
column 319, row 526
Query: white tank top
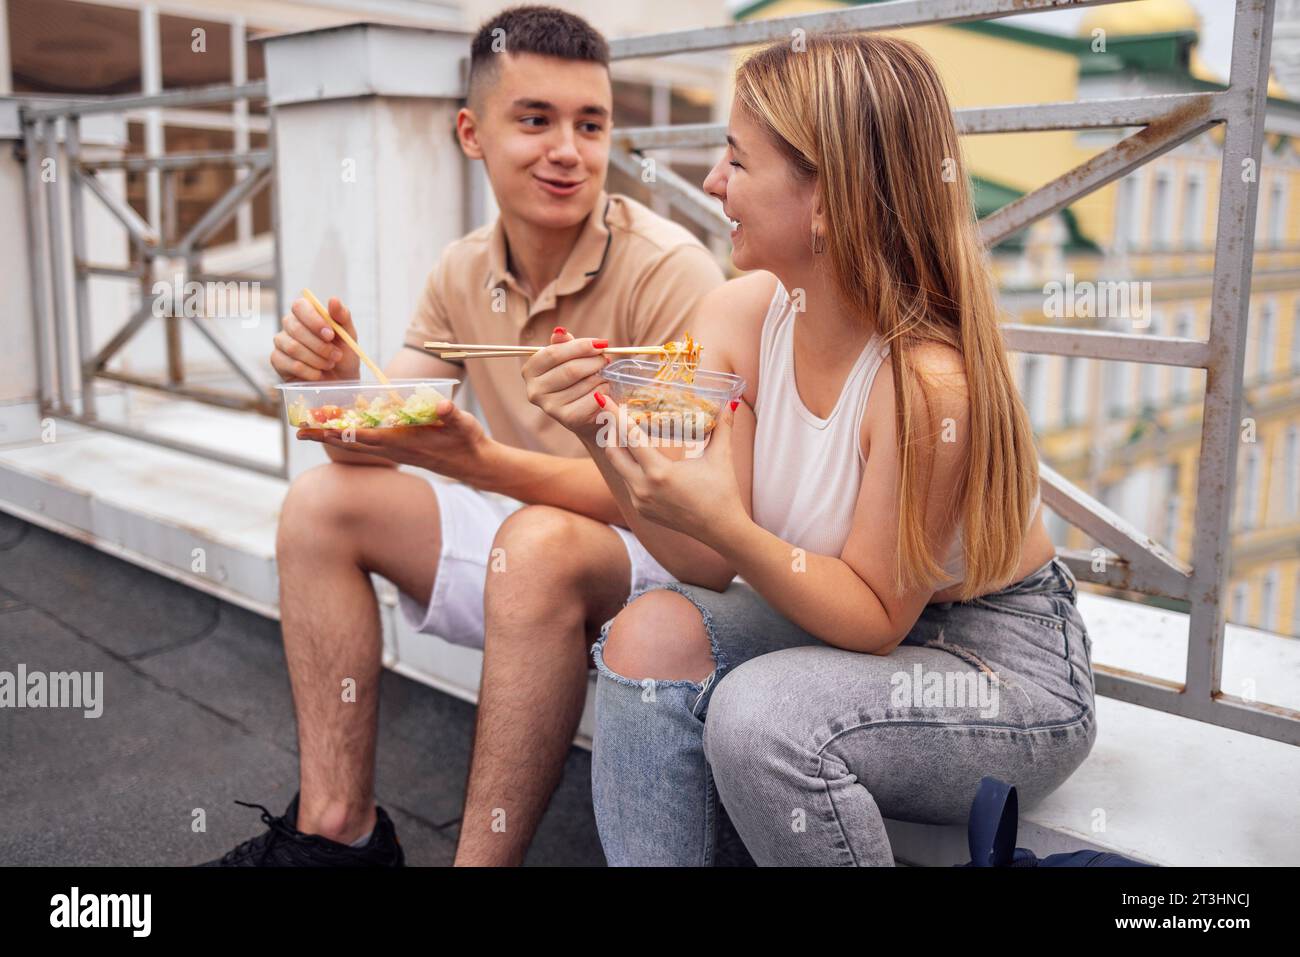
column 808, row 470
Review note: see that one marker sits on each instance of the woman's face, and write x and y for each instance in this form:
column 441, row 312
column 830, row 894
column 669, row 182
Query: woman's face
column 769, row 205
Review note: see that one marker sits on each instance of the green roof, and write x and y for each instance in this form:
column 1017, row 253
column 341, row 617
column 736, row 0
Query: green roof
column 990, row 196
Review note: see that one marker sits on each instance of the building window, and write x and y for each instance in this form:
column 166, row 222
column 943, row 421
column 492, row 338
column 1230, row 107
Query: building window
column 1173, row 505
column 1149, row 371
column 1182, row 374
column 1295, row 339
column 1033, row 373
column 1117, row 400
column 1264, row 340
column 1268, row 601
column 1147, row 384
column 1249, row 505
column 1193, row 224
column 1074, row 391
column 1277, row 212
column 1160, row 210
column 1128, row 225
column 1237, row 610
column 1291, row 471
column 1069, row 383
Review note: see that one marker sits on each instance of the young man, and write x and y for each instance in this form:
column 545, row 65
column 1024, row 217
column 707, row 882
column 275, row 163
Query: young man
column 563, row 254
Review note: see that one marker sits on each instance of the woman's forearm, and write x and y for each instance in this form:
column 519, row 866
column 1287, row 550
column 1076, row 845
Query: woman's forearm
column 822, row 595
column 688, row 559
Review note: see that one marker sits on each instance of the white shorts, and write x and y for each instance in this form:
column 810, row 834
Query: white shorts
column 470, row 519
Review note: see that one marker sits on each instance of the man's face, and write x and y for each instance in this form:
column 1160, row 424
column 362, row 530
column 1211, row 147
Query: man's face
column 542, row 128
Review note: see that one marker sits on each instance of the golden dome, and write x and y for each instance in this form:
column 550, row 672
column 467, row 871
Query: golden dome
column 1146, row 16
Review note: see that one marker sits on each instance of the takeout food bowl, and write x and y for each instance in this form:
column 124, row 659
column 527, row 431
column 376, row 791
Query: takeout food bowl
column 674, row 407
column 354, row 404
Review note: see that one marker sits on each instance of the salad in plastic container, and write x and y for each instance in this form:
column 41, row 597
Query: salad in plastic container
column 365, row 405
column 671, row 406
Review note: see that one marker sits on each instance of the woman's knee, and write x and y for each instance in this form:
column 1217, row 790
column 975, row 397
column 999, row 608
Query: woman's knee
column 741, row 729
column 660, row 636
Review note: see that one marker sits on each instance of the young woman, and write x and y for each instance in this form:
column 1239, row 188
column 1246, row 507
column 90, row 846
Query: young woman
column 903, row 627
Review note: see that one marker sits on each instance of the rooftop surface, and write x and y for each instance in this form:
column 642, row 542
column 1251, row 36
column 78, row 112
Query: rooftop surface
column 197, row 714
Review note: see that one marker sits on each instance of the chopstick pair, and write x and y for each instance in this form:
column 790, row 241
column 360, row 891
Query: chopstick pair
column 481, row 350
column 458, row 350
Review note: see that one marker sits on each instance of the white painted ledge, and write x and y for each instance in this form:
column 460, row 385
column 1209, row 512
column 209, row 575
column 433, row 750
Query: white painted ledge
column 1157, row 787
column 365, row 59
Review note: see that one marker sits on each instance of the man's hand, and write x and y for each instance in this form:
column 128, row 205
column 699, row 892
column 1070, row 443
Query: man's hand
column 457, row 447
column 307, row 349
column 560, row 379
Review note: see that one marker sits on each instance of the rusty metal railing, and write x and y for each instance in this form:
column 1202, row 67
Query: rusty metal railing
column 67, row 373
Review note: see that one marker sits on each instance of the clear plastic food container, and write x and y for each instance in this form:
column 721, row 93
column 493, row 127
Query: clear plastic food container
column 354, row 404
column 671, row 408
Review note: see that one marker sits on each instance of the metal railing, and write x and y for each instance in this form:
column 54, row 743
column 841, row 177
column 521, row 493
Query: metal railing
column 1135, row 561
column 67, row 373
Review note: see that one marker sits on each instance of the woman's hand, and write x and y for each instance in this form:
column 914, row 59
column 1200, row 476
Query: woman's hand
column 561, row 378
column 696, row 494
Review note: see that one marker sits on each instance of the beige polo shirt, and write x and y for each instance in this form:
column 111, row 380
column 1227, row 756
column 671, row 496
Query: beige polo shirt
column 633, row 278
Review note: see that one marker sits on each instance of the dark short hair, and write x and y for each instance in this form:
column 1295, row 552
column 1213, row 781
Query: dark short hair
column 546, row 31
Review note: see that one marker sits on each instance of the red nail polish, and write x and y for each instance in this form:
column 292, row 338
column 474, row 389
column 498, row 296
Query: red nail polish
column 600, row 399
column 734, row 403
column 600, row 343
column 560, row 331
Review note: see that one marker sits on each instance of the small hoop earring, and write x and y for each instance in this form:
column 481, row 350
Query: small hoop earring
column 818, row 243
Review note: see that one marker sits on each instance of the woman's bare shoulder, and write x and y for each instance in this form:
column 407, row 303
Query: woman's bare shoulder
column 730, row 323
column 944, row 371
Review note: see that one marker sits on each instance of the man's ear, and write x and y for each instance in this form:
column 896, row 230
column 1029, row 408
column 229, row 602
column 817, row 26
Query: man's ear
column 467, row 133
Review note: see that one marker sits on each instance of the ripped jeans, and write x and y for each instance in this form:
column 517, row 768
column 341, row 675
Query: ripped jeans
column 808, row 747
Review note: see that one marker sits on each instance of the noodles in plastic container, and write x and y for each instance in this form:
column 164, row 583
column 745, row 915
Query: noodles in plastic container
column 672, row 398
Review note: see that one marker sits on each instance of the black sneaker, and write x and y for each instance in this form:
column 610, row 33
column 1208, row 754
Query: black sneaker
column 283, row 845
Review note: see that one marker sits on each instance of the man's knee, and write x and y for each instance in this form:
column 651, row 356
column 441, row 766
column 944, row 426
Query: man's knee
column 544, row 541
column 322, row 504
column 660, row 635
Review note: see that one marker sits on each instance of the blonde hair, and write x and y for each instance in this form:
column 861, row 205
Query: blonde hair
column 868, row 118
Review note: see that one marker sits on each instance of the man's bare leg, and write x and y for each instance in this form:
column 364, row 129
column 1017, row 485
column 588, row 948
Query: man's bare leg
column 564, row 576
column 338, row 524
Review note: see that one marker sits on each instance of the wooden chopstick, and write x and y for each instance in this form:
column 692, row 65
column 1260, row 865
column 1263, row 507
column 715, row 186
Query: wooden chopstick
column 342, row 333
column 469, row 350
column 483, row 355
